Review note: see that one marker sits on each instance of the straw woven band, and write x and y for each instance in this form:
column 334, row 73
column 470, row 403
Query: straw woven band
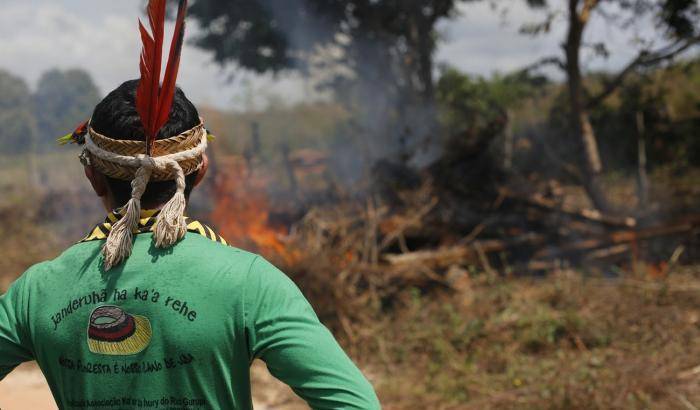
column 126, row 160
column 183, row 142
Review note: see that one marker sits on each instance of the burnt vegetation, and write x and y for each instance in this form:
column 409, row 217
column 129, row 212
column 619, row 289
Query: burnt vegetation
column 440, row 197
column 525, row 240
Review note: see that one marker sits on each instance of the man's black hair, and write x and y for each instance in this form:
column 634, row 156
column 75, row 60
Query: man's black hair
column 116, row 117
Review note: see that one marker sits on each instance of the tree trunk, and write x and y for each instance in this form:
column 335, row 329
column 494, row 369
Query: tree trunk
column 642, row 177
column 33, row 177
column 421, row 48
column 508, row 143
column 291, row 175
column 583, row 130
column 426, row 64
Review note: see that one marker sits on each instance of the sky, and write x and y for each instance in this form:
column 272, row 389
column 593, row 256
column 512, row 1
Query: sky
column 101, row 37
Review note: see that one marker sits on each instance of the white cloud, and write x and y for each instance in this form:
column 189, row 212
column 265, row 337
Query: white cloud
column 40, row 34
column 483, row 40
column 102, row 37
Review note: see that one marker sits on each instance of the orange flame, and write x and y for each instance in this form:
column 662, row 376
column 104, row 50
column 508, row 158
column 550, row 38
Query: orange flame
column 242, row 212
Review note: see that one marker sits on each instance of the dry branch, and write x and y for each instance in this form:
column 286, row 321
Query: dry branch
column 460, row 254
column 593, row 215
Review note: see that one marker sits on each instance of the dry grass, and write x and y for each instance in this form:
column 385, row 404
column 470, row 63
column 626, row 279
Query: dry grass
column 565, row 342
column 568, row 341
column 45, row 206
column 464, row 339
column 23, row 240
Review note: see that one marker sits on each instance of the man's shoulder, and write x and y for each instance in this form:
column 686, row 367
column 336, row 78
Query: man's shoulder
column 194, row 249
column 210, row 250
column 73, row 257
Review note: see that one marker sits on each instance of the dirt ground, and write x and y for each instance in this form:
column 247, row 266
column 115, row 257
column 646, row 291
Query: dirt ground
column 26, row 388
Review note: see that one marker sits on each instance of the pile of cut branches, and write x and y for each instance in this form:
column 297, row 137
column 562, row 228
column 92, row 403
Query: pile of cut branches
column 356, row 259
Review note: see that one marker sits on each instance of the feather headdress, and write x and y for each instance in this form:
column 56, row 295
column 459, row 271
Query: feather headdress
column 142, row 161
column 154, row 102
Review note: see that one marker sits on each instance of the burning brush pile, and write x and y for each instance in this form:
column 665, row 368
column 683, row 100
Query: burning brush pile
column 356, row 258
column 242, row 211
column 460, row 287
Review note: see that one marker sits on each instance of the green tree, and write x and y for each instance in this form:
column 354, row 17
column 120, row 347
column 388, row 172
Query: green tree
column 377, row 56
column 472, row 102
column 274, row 35
column 63, row 99
column 676, row 22
column 18, row 129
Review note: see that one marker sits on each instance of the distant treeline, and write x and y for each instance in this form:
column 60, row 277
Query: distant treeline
column 660, row 107
column 31, row 121
column 527, row 111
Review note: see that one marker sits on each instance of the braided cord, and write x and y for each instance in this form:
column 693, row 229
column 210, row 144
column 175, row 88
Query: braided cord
column 170, row 224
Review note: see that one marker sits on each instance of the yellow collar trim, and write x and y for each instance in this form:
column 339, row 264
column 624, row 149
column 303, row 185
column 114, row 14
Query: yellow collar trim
column 146, row 224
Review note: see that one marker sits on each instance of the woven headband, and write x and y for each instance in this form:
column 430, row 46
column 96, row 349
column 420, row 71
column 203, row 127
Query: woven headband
column 182, row 155
column 123, row 171
column 152, row 159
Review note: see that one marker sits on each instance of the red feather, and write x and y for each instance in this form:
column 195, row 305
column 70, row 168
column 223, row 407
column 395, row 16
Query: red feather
column 169, row 80
column 154, row 102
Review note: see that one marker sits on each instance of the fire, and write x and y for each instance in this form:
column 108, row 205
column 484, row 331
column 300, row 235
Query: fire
column 242, row 211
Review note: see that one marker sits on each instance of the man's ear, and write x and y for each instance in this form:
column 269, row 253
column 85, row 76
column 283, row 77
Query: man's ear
column 202, row 170
column 97, row 180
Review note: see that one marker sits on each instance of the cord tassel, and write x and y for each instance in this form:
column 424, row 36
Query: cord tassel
column 119, row 243
column 170, row 225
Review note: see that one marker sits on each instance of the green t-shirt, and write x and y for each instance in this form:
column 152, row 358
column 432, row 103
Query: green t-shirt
column 171, row 329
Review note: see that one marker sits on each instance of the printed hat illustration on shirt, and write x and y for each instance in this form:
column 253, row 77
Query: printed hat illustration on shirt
column 114, row 332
